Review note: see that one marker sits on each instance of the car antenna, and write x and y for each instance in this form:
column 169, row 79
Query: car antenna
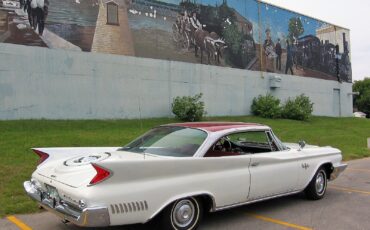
column 141, row 123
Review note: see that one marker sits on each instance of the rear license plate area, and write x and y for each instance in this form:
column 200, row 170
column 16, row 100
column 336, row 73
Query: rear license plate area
column 52, row 194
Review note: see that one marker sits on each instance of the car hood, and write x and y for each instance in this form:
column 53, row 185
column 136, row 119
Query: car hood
column 78, row 171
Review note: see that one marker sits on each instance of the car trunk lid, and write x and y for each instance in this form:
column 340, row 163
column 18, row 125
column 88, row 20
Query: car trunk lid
column 78, row 170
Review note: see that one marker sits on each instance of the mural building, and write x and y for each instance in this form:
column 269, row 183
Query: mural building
column 244, row 34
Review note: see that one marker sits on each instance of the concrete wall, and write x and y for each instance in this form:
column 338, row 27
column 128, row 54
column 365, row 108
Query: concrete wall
column 57, row 84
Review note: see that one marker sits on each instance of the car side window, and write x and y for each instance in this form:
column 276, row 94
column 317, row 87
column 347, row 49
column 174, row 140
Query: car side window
column 242, row 143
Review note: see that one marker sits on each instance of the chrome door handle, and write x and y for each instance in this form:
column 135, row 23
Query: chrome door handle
column 255, row 164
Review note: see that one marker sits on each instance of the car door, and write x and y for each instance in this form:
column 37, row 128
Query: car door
column 273, row 173
column 233, row 178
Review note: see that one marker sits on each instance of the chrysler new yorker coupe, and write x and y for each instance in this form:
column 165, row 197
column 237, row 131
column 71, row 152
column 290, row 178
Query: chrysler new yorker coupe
column 176, row 172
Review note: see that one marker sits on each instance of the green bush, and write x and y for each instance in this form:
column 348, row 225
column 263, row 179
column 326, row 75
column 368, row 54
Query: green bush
column 189, row 108
column 266, row 106
column 362, row 101
column 299, row 108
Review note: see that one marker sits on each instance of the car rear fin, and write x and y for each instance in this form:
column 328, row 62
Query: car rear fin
column 43, row 156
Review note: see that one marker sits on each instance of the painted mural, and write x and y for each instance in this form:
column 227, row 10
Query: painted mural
column 244, row 34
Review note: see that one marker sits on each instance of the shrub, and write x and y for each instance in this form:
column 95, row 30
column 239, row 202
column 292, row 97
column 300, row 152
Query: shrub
column 266, row 106
column 362, row 101
column 299, row 108
column 189, row 108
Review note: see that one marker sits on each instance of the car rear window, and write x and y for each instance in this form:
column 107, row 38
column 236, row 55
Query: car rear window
column 171, row 141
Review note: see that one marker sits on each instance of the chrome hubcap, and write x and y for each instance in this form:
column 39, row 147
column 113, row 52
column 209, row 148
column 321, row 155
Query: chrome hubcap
column 183, row 213
column 320, row 183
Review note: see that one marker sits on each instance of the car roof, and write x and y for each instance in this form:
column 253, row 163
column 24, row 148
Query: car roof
column 218, row 126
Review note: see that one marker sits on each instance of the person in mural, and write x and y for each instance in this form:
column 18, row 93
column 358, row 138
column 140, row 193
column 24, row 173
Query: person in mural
column 195, row 22
column 184, row 20
column 42, row 12
column 289, row 58
column 194, row 25
column 270, row 54
column 30, row 12
column 278, row 52
column 294, row 51
column 37, row 11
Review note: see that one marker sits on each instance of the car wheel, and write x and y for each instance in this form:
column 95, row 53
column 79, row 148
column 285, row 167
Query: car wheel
column 317, row 187
column 183, row 214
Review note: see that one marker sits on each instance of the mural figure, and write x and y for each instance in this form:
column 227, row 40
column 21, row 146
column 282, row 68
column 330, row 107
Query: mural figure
column 181, row 31
column 37, row 11
column 289, row 59
column 278, row 51
column 195, row 23
column 270, row 55
column 30, row 12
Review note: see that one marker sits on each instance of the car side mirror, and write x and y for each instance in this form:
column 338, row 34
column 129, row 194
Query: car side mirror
column 301, row 144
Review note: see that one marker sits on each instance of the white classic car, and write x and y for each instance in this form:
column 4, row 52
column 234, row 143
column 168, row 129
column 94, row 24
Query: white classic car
column 178, row 171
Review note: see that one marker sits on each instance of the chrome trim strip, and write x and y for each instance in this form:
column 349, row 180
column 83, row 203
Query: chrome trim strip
column 278, row 142
column 254, row 201
column 337, row 171
column 268, row 134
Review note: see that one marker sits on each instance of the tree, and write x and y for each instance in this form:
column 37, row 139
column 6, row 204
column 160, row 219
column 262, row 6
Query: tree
column 296, row 29
column 362, row 102
column 233, row 37
column 234, row 40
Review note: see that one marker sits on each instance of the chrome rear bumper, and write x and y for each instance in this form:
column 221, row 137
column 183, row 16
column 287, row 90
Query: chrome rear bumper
column 87, row 217
column 337, row 171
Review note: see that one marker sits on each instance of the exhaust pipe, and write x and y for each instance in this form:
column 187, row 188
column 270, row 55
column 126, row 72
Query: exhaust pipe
column 65, row 221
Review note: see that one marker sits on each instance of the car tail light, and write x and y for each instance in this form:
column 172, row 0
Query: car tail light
column 43, row 156
column 101, row 174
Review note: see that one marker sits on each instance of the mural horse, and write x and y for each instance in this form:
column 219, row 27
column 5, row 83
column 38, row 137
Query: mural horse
column 209, row 43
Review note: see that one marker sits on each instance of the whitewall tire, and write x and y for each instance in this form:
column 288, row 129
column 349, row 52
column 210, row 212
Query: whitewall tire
column 183, row 214
column 316, row 189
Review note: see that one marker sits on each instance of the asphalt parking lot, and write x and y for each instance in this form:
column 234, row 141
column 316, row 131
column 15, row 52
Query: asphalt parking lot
column 345, row 206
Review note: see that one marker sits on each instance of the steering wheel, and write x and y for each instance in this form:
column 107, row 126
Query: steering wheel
column 222, row 144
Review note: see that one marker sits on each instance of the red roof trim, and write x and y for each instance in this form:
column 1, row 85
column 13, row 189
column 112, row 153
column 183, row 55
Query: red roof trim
column 215, row 126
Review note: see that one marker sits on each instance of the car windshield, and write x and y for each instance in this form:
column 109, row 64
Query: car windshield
column 171, row 141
